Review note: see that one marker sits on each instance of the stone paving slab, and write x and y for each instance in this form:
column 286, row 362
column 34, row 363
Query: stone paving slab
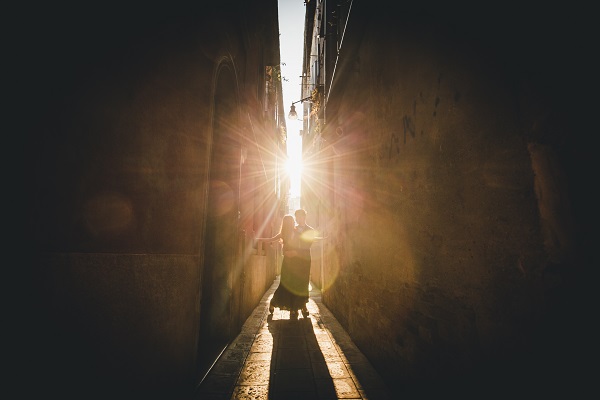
column 306, row 358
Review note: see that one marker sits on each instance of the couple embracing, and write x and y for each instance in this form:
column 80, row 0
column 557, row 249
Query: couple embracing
column 297, row 237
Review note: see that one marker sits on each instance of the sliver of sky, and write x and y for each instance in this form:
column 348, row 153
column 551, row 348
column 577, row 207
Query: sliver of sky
column 291, row 41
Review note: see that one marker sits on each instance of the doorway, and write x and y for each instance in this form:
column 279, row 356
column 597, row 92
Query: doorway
column 216, row 311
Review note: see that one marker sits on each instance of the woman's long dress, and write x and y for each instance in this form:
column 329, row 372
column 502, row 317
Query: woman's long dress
column 292, row 292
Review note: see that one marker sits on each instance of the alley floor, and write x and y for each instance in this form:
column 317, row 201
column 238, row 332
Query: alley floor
column 275, row 357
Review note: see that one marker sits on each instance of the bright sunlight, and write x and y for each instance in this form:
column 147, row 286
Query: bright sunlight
column 293, row 167
column 291, row 29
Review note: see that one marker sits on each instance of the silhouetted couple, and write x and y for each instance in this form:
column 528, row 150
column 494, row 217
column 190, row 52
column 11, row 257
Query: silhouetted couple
column 297, row 237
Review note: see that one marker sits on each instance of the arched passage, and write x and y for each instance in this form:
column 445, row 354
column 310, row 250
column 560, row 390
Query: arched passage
column 216, row 308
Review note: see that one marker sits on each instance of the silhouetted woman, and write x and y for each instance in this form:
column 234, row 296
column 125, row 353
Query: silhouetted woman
column 305, row 236
column 292, row 292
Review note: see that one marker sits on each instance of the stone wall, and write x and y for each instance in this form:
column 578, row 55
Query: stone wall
column 441, row 241
column 146, row 186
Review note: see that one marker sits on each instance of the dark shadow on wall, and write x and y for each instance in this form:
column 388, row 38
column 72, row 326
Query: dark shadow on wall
column 216, row 313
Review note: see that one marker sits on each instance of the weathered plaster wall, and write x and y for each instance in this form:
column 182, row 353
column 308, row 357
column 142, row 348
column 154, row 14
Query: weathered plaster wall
column 446, row 216
column 132, row 108
column 117, row 318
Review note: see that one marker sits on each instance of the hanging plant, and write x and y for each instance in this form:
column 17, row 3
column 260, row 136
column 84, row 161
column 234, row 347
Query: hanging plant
column 273, row 73
column 316, row 113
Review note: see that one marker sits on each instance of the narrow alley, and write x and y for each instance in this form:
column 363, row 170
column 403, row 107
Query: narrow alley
column 448, row 169
column 276, row 357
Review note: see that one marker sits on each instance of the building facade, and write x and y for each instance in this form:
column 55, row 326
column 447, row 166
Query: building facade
column 156, row 156
column 440, row 163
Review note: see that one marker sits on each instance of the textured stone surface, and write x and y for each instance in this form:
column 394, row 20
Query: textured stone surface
column 251, row 392
column 255, row 372
column 439, row 200
column 302, row 362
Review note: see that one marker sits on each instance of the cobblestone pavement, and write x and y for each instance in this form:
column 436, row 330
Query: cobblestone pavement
column 275, row 357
